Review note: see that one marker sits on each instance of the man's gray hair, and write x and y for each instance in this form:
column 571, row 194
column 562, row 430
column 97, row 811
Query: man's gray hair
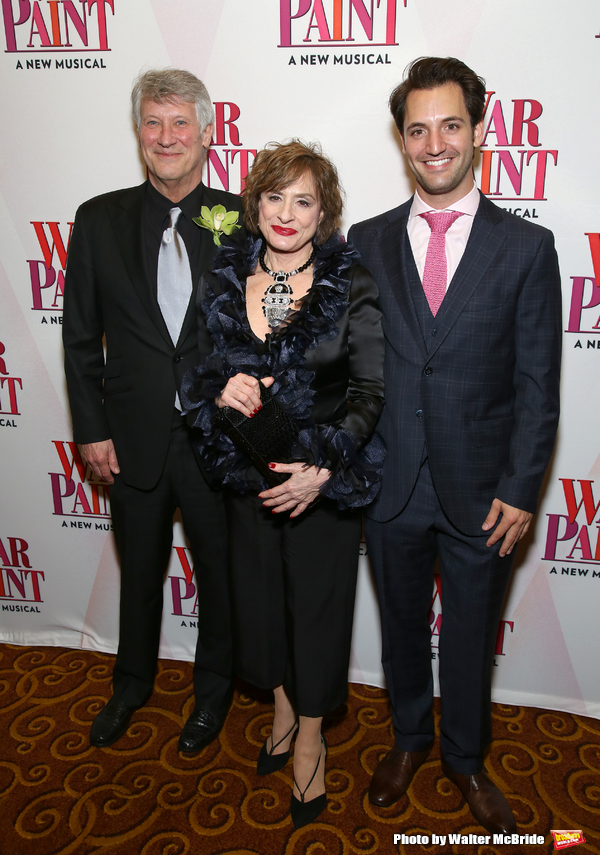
column 166, row 84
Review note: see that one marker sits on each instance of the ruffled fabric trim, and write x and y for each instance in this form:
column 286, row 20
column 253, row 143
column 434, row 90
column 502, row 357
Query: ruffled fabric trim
column 356, row 472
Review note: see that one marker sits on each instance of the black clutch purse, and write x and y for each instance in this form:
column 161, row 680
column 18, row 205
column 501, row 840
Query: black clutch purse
column 267, row 437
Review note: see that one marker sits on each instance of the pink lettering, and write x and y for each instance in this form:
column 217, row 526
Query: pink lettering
column 36, row 575
column 552, row 536
column 224, row 126
column 24, row 8
column 515, row 175
column 318, row 15
column 519, row 121
column 101, row 10
column 76, row 460
column 365, row 19
column 496, row 124
column 35, row 267
column 187, row 568
column 178, row 595
column 18, row 547
column 78, row 22
column 38, row 28
column 11, row 382
column 540, row 170
column 286, row 18
column 57, row 242
column 577, row 297
column 499, row 649
column 582, row 543
column 57, row 494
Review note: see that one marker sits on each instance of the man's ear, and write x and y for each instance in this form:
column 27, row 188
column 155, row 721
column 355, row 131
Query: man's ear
column 207, row 135
column 478, row 134
column 402, row 144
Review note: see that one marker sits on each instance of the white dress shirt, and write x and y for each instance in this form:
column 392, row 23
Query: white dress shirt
column 456, row 236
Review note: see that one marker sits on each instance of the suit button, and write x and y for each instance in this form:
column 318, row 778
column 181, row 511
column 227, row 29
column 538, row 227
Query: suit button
column 428, row 371
column 419, row 414
column 177, row 358
column 433, row 332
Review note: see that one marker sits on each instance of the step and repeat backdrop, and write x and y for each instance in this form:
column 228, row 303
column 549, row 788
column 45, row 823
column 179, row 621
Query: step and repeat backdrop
column 319, row 70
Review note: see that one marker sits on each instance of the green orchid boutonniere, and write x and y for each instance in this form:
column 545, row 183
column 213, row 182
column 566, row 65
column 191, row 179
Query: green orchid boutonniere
column 218, row 221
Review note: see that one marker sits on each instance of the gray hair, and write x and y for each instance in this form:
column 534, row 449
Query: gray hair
column 167, row 84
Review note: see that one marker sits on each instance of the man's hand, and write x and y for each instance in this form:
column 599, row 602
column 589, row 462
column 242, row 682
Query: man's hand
column 512, row 527
column 102, row 458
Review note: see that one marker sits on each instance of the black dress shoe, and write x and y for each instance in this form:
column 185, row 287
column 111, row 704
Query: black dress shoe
column 488, row 805
column 199, row 730
column 268, row 762
column 302, row 812
column 110, row 723
column 393, row 775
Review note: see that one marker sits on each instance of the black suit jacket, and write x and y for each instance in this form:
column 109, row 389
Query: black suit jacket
column 482, row 392
column 127, row 395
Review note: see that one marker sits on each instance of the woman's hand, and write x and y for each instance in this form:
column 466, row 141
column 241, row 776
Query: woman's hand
column 242, row 392
column 298, row 492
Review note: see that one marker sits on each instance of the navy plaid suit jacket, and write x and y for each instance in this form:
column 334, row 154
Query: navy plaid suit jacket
column 483, row 391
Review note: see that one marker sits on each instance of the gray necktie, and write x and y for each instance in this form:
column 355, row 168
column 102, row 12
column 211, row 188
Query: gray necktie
column 174, row 277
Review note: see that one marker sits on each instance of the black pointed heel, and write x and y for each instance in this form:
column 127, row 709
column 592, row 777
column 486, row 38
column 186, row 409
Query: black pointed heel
column 303, row 812
column 267, row 761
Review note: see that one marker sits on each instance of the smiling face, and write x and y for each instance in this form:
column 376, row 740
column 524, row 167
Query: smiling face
column 439, row 143
column 173, row 145
column 288, row 218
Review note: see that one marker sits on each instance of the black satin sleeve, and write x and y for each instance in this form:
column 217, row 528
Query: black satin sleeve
column 350, row 398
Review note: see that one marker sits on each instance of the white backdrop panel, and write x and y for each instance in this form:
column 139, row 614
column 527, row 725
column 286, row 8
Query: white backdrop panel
column 319, row 70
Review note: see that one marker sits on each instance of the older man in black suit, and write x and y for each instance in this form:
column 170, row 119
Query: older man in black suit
column 471, row 315
column 135, row 261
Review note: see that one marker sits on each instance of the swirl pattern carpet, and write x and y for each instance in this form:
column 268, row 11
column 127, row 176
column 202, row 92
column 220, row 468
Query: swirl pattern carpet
column 59, row 796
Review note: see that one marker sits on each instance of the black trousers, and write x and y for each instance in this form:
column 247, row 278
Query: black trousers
column 293, row 588
column 474, row 579
column 143, row 525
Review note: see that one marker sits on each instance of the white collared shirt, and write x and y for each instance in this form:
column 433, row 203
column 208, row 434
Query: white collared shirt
column 456, row 236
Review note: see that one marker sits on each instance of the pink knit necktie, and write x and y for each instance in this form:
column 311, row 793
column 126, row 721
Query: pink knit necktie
column 435, row 272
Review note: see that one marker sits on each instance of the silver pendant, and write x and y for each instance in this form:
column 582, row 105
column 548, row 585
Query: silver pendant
column 277, row 300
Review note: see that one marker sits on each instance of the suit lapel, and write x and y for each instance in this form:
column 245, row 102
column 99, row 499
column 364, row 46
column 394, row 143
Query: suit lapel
column 127, row 225
column 206, row 255
column 485, row 241
column 401, row 269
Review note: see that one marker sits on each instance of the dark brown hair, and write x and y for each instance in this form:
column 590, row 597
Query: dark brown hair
column 429, row 72
column 279, row 165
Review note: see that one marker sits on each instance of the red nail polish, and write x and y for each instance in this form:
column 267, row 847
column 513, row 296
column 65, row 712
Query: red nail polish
column 260, row 408
column 272, row 465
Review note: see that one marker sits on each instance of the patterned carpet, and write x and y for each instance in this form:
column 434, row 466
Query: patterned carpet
column 59, row 796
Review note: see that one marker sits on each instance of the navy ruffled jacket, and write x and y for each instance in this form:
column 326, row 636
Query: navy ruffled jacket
column 327, row 361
